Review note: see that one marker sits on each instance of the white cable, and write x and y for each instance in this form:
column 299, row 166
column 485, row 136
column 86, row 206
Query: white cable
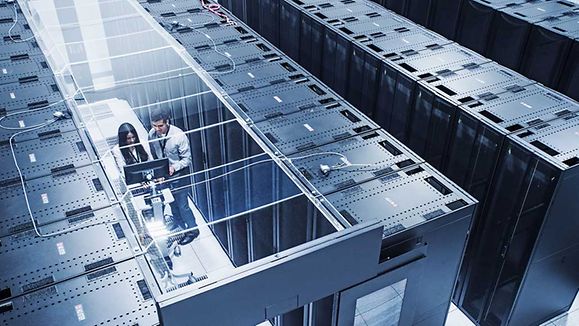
column 14, row 25
column 78, row 226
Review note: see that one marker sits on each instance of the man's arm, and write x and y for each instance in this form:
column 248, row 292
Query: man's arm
column 182, row 143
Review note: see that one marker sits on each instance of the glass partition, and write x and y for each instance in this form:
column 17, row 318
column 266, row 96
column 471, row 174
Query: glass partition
column 203, row 194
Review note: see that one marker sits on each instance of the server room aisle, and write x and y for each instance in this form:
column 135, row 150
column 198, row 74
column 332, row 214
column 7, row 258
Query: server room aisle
column 571, row 318
column 199, row 258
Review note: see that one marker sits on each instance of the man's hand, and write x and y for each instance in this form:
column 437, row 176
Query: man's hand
column 171, row 170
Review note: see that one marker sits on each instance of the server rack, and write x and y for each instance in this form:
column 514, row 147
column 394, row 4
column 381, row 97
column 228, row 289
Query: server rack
column 530, row 244
column 239, row 52
column 475, row 20
column 64, row 193
column 313, row 127
column 448, row 211
column 34, row 93
column 260, row 74
column 481, row 128
column 28, row 68
column 501, row 86
column 281, row 99
column 511, row 27
column 97, row 238
column 32, row 118
column 548, row 47
column 164, row 8
column 433, row 115
column 398, row 80
column 372, row 154
column 41, row 156
column 209, row 35
column 10, row 49
column 570, row 77
column 88, row 299
column 443, row 16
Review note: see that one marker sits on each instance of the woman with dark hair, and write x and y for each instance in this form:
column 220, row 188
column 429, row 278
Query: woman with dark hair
column 130, row 150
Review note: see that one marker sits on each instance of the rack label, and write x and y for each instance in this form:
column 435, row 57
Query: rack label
column 12, row 95
column 44, row 198
column 60, row 248
column 277, row 99
column 4, row 71
column 79, row 312
column 21, row 123
column 32, row 157
column 250, row 75
column 308, row 127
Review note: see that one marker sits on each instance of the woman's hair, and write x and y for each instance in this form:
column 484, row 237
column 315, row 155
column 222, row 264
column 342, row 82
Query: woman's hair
column 124, row 130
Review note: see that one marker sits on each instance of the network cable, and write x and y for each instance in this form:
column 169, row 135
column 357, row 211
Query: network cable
column 14, row 25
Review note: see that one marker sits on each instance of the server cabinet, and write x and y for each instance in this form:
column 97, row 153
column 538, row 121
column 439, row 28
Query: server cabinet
column 193, row 18
column 22, row 70
column 398, row 6
column 269, row 20
column 437, row 215
column 474, row 22
column 444, row 16
column 11, row 49
column 281, row 99
column 528, row 244
column 27, row 118
column 511, row 27
column 313, row 127
column 238, row 53
column 35, row 93
column 436, row 100
column 482, row 126
column 548, row 47
column 366, row 59
column 97, row 238
column 158, row 7
column 289, row 39
column 419, row 11
column 210, row 35
column 88, row 299
column 570, row 77
column 259, row 74
column 41, row 156
column 372, row 155
column 398, row 80
column 59, row 196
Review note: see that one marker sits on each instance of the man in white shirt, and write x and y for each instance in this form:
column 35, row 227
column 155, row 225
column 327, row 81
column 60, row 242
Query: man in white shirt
column 171, row 142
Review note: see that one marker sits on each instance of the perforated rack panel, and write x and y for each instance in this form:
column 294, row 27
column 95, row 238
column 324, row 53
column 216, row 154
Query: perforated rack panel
column 438, row 59
column 282, row 99
column 557, row 139
column 476, row 82
column 115, row 295
column 97, row 238
column 39, row 157
column 374, row 154
column 362, row 27
column 240, row 52
column 193, row 38
column 513, row 111
column 11, row 49
column 21, row 70
column 313, row 127
column 61, row 195
column 259, row 74
column 158, row 7
column 29, row 95
column 32, row 118
column 388, row 199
